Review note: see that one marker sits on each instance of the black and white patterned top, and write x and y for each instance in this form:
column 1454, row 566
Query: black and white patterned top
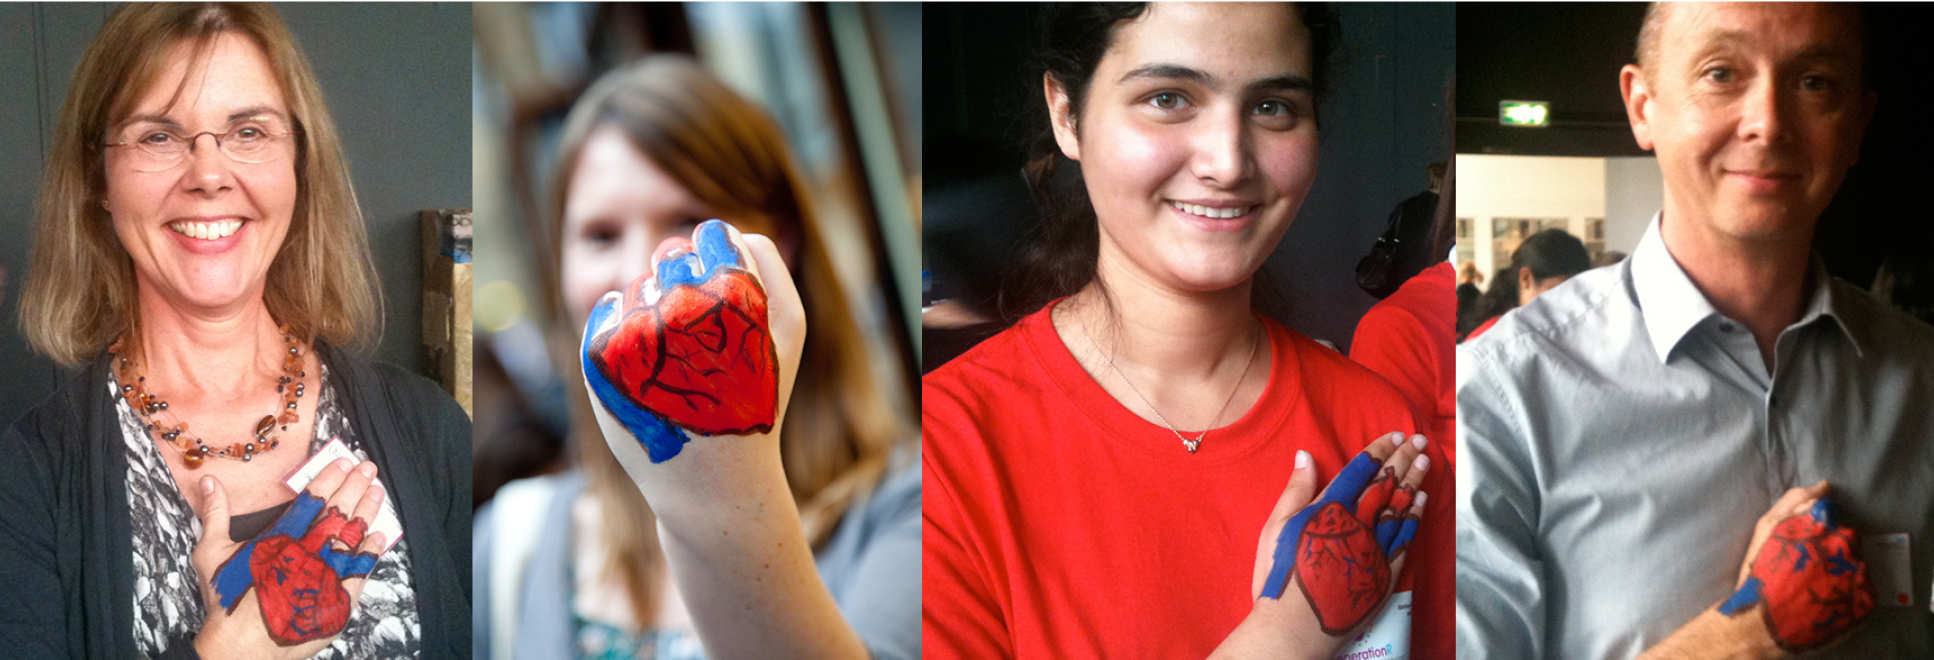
column 167, row 599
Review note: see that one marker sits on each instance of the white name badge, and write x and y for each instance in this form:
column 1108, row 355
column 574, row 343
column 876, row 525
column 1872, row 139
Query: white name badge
column 1387, row 638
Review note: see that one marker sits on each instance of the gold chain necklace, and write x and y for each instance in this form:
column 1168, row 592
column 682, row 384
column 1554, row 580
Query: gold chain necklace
column 1188, row 443
column 134, row 388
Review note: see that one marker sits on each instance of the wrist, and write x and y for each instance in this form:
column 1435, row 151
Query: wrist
column 1270, row 632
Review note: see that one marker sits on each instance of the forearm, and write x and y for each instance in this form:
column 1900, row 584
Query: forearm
column 1715, row 635
column 740, row 559
column 1263, row 634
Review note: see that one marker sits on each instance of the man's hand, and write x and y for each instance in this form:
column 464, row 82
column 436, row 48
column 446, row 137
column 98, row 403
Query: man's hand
column 1800, row 574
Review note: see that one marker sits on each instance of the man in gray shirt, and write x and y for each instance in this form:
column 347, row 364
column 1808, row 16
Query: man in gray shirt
column 1631, row 439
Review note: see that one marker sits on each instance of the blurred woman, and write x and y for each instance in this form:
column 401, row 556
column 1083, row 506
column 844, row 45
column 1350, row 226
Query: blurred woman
column 1096, row 472
column 578, row 564
column 199, row 252
column 1540, row 264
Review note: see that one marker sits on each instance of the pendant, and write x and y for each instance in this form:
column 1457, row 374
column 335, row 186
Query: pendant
column 1191, row 444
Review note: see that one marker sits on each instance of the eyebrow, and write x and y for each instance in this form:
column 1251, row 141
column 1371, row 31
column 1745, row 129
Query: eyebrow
column 238, row 115
column 1723, row 39
column 1287, row 81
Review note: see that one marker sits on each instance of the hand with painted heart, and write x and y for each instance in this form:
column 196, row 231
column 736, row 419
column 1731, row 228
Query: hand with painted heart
column 1342, row 549
column 1803, row 574
column 688, row 349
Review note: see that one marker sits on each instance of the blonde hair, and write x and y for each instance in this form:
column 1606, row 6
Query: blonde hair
column 839, row 428
column 80, row 291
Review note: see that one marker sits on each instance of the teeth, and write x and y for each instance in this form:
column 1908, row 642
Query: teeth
column 1210, row 211
column 206, row 231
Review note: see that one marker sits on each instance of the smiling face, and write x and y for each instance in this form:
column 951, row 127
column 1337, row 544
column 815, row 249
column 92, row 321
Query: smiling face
column 1197, row 140
column 618, row 207
column 1755, row 111
column 203, row 231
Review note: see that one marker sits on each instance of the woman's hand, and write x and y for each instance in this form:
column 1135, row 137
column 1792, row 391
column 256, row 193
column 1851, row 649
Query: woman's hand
column 691, row 367
column 690, row 370
column 1325, row 568
column 289, row 591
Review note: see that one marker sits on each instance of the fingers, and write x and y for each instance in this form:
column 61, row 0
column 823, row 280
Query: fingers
column 1356, row 474
column 1370, row 507
column 329, row 479
column 371, row 505
column 350, row 492
column 1406, row 530
column 214, row 511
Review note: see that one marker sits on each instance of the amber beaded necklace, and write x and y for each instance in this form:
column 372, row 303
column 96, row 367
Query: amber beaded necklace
column 157, row 420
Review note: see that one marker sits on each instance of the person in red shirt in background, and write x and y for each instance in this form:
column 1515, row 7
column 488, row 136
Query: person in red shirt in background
column 1096, row 475
column 1410, row 338
column 1540, row 264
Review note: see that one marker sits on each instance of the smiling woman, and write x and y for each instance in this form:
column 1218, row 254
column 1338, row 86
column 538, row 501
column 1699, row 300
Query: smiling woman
column 199, row 253
column 1107, row 476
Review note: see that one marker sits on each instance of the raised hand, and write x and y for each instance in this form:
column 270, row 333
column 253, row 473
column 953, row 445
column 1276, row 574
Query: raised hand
column 1804, row 577
column 688, row 351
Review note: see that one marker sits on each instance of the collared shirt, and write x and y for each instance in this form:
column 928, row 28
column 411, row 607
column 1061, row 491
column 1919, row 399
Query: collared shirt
column 1621, row 438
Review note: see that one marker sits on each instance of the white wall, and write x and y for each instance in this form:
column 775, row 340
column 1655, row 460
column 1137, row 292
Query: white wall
column 1527, row 187
column 1633, row 192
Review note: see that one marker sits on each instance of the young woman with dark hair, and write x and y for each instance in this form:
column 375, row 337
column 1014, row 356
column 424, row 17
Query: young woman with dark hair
column 1095, row 473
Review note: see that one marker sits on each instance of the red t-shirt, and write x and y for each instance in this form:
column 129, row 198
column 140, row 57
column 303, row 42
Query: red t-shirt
column 1410, row 339
column 1058, row 524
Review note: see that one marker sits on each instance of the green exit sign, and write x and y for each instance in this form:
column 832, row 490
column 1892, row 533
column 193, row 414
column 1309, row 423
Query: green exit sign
column 1524, row 113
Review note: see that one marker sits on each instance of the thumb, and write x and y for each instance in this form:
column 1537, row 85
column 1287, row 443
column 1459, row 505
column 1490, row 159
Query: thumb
column 214, row 511
column 1301, row 489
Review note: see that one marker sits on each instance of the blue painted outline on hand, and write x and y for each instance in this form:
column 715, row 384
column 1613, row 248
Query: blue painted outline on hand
column 1748, row 594
column 234, row 577
column 1345, row 490
column 712, row 250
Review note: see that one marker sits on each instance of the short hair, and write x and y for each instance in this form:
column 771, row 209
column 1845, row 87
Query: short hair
column 1647, row 50
column 80, row 291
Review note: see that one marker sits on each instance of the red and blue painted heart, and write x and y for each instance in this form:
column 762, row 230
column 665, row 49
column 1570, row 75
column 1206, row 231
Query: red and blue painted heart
column 688, row 351
column 1814, row 586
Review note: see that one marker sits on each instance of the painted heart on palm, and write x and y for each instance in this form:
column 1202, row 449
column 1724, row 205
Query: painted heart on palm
column 296, row 569
column 1341, row 568
column 686, row 351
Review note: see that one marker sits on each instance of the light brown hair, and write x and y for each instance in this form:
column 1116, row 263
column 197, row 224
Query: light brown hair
column 839, row 427
column 80, row 291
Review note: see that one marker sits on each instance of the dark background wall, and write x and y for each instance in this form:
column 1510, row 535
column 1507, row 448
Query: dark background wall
column 1383, row 121
column 1570, row 54
column 397, row 80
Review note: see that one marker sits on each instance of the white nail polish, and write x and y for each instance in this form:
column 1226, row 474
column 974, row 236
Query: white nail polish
column 1423, row 462
column 1302, row 460
column 1417, row 441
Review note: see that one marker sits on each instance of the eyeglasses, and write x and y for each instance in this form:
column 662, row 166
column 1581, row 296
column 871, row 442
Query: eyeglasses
column 159, row 147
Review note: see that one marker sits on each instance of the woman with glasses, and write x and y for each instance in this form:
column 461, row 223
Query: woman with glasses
column 200, row 256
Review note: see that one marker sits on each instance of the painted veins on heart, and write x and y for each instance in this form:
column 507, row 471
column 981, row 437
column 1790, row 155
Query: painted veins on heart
column 1813, row 586
column 1339, row 548
column 688, row 351
column 297, row 569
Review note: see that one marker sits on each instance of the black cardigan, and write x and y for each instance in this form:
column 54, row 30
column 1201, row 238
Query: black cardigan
column 66, row 573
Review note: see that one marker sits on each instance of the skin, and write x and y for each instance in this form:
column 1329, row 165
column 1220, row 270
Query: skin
column 618, row 208
column 1208, row 105
column 208, row 344
column 1755, row 113
column 730, row 530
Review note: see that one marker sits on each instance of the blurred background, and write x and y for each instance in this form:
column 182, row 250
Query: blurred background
column 1383, row 122
column 1579, row 170
column 841, row 80
column 396, row 82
